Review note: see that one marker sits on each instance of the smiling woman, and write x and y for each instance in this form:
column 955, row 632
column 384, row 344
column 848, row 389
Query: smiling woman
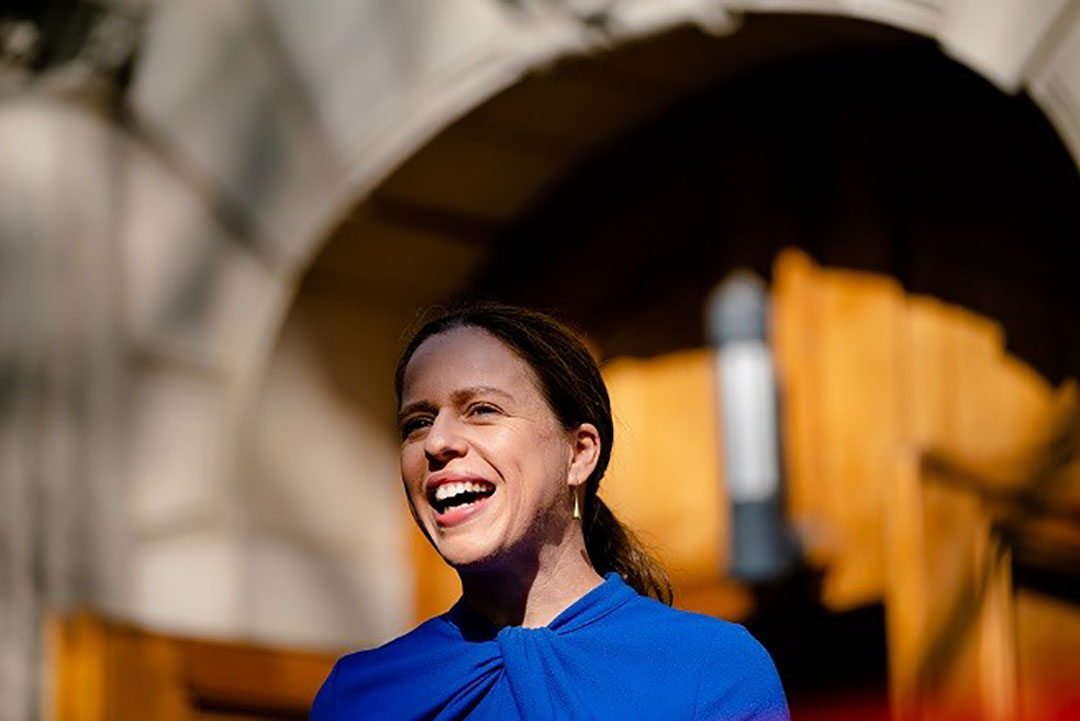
column 506, row 433
column 479, row 420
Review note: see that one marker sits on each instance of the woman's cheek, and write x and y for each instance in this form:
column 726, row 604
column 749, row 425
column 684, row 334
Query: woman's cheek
column 411, row 468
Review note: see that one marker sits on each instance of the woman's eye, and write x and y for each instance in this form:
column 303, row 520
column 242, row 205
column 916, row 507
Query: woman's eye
column 482, row 409
column 412, row 425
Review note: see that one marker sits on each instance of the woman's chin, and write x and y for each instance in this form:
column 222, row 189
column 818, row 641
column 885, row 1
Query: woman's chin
column 469, row 548
column 464, row 554
column 466, row 536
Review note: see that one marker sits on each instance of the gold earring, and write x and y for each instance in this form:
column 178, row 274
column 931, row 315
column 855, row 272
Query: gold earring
column 577, row 507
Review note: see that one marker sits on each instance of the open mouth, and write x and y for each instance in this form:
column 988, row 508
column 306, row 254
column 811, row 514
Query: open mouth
column 459, row 495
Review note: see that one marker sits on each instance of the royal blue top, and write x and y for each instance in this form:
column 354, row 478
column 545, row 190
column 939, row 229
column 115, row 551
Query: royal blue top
column 613, row 654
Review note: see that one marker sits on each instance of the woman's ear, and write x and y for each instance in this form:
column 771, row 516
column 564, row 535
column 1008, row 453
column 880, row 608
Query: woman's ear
column 585, row 453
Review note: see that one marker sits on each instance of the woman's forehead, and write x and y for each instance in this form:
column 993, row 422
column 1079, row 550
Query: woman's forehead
column 465, row 357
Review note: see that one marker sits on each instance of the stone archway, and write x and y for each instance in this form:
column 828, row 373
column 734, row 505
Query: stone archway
column 396, row 219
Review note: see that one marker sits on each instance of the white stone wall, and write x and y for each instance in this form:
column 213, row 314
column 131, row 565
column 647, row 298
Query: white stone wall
column 326, row 558
column 62, row 520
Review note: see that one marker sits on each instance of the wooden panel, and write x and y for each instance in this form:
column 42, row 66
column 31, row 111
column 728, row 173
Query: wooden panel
column 953, row 358
column 952, row 613
column 796, row 304
column 953, row 524
column 437, row 585
column 1048, row 657
column 236, row 676
column 920, row 457
column 860, row 400
column 666, row 477
column 906, row 581
column 869, row 377
column 838, row 352
column 77, row 654
column 965, row 639
column 113, row 672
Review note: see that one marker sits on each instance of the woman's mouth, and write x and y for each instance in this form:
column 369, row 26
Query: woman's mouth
column 457, row 501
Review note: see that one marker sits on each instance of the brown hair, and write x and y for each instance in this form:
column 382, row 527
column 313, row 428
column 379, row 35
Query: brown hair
column 570, row 381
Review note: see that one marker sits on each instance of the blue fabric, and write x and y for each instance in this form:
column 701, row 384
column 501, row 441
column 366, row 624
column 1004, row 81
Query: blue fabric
column 613, row 654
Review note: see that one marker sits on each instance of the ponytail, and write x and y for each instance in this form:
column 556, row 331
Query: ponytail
column 613, row 547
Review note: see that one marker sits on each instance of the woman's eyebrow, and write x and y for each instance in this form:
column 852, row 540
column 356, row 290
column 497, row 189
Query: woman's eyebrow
column 458, row 397
column 415, row 407
column 464, row 394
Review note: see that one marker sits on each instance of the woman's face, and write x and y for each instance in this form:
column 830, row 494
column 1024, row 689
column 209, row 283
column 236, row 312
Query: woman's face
column 485, row 462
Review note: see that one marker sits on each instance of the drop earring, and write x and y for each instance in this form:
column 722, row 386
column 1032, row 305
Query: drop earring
column 577, row 506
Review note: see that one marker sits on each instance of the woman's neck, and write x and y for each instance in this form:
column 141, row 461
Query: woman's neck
column 532, row 594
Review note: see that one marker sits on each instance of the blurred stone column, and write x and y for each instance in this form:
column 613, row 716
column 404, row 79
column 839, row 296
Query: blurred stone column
column 60, row 380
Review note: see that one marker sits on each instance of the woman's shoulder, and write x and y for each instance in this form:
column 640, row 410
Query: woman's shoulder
column 617, row 616
column 394, row 675
column 678, row 625
column 419, row 643
column 735, row 675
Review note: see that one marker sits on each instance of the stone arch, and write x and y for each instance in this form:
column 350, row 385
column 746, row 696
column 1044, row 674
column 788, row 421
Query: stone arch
column 287, row 117
column 350, row 138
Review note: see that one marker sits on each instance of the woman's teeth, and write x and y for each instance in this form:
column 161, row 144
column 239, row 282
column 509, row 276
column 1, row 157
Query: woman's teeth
column 449, row 490
column 460, row 493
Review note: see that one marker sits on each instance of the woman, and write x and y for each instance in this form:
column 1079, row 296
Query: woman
column 506, row 432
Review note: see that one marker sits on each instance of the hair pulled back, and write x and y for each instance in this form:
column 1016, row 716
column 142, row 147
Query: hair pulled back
column 570, row 381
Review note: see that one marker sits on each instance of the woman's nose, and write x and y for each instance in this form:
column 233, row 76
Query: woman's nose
column 444, row 441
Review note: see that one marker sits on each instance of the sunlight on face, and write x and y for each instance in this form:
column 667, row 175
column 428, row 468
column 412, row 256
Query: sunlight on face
column 484, row 460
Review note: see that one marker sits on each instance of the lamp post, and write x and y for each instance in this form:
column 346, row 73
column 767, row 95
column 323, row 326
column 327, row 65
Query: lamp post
column 737, row 329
